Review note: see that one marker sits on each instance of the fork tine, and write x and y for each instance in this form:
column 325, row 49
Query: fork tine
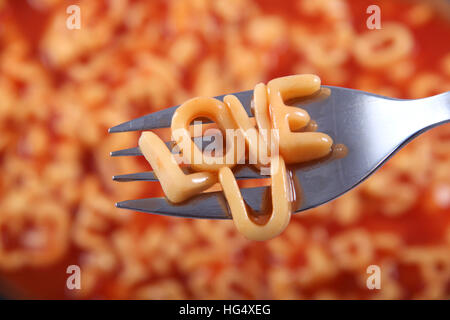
column 211, row 205
column 242, row 174
column 163, row 118
column 155, row 120
column 214, row 202
column 140, row 176
column 202, row 142
column 127, row 152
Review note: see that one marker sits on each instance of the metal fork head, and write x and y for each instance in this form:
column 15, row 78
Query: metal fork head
column 372, row 128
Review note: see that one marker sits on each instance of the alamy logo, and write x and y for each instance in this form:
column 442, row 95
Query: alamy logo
column 73, row 21
column 374, row 280
column 74, row 280
column 374, row 20
column 217, row 148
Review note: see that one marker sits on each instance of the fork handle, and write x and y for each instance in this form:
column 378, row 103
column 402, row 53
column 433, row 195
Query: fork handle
column 429, row 112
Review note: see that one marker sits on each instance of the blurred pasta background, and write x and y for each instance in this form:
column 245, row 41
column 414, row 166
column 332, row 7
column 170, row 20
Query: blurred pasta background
column 61, row 89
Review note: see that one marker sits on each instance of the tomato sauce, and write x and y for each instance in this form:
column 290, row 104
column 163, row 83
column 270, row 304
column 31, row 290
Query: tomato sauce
column 423, row 225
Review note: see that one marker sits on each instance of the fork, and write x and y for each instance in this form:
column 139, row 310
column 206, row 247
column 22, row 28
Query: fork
column 372, row 127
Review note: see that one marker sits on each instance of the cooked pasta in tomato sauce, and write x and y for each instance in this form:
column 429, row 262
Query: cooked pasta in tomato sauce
column 295, row 147
column 60, row 90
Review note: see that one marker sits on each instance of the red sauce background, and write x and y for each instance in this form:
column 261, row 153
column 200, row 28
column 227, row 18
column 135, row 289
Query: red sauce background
column 432, row 43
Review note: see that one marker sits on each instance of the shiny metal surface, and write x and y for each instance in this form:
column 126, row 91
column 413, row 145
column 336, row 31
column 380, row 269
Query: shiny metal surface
column 199, row 141
column 241, row 174
column 372, row 127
